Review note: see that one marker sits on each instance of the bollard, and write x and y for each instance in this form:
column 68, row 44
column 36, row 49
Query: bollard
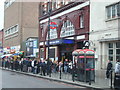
column 111, row 79
column 60, row 72
column 50, row 72
column 89, row 76
column 73, row 74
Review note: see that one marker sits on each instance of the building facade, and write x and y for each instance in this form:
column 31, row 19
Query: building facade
column 32, row 47
column 20, row 22
column 105, row 31
column 1, row 42
column 69, row 28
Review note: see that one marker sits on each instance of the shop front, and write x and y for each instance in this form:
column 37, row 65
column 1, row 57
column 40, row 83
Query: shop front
column 59, row 49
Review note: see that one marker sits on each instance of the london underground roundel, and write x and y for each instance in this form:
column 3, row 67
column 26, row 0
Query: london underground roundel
column 53, row 25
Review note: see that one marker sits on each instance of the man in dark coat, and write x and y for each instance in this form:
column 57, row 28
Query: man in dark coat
column 43, row 66
column 109, row 68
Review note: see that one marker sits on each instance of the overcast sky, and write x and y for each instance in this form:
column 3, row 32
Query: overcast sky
column 1, row 14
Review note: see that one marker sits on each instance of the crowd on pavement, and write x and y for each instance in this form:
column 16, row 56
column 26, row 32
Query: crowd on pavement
column 46, row 67
column 36, row 66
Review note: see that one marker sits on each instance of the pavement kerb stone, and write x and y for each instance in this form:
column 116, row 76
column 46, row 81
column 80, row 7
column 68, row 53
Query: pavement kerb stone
column 55, row 79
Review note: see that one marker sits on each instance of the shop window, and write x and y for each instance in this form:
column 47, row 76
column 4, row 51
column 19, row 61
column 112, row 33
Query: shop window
column 52, row 53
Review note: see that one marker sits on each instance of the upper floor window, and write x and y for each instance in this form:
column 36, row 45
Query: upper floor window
column 44, row 8
column 81, row 21
column 113, row 11
column 8, row 3
column 53, row 34
column 67, row 29
column 11, row 30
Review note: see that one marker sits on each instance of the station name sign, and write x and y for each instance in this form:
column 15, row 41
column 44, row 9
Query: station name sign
column 60, row 41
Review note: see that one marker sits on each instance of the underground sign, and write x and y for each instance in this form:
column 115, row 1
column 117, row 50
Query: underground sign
column 53, row 25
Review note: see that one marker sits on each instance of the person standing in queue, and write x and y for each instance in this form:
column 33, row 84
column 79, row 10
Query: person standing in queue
column 117, row 75
column 109, row 68
column 43, row 67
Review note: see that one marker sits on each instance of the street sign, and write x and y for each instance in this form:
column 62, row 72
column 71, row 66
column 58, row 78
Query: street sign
column 86, row 43
column 53, row 25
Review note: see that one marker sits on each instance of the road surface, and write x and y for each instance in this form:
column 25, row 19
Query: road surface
column 16, row 80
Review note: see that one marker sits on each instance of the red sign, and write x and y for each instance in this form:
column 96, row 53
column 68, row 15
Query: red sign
column 53, row 25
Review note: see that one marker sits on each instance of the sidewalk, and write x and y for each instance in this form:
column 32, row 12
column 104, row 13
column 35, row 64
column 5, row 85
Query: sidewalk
column 100, row 81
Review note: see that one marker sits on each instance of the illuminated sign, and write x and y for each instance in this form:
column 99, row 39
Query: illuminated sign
column 60, row 41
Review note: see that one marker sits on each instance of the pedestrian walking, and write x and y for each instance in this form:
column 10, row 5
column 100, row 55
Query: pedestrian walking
column 117, row 75
column 109, row 68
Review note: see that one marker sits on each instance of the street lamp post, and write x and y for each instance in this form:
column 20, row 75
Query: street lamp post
column 49, row 13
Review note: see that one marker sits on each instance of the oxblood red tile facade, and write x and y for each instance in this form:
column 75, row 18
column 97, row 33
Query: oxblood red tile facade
column 74, row 17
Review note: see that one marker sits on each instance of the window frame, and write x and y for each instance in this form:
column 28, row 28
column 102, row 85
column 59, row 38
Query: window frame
column 82, row 21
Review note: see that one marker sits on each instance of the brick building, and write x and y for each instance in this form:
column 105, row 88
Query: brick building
column 20, row 22
column 72, row 21
column 1, row 42
column 1, row 38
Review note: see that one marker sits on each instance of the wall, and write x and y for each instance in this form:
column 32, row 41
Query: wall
column 100, row 29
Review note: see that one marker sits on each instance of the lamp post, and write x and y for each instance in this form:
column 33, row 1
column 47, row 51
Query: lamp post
column 49, row 13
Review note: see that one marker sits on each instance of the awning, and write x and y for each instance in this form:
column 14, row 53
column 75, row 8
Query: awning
column 60, row 41
column 6, row 55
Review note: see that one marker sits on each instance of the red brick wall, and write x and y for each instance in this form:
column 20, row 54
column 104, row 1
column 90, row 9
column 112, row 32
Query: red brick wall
column 74, row 17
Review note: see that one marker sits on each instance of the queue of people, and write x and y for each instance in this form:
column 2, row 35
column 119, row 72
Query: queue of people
column 36, row 66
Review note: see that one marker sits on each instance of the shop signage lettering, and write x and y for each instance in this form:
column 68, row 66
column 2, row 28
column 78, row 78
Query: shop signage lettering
column 60, row 41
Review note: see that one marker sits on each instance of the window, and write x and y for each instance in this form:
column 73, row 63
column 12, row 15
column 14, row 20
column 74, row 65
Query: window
column 109, row 12
column 113, row 11
column 81, row 21
column 118, row 45
column 44, row 8
column 110, row 45
column 8, row 3
column 114, row 51
column 118, row 50
column 53, row 34
column 118, row 9
column 67, row 29
column 11, row 30
column 110, row 51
